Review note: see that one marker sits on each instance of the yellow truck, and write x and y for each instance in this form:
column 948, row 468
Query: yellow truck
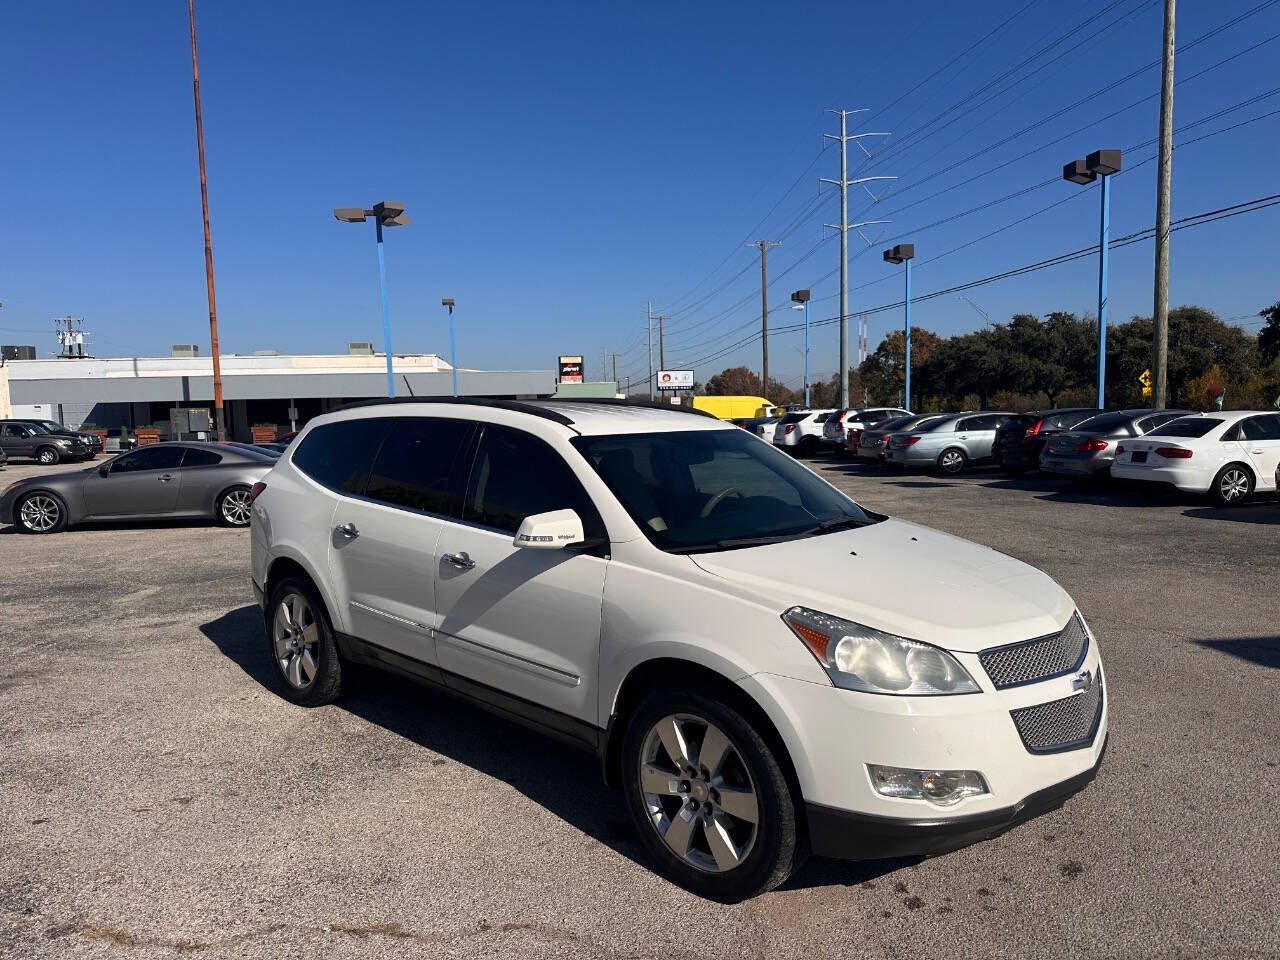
column 734, row 408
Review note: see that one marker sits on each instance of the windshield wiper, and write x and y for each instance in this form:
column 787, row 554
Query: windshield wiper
column 838, row 523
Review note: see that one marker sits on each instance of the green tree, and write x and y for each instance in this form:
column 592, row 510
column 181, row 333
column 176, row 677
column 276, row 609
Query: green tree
column 1269, row 336
column 880, row 377
column 734, row 382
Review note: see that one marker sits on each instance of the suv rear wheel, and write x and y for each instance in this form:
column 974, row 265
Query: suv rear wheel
column 709, row 797
column 300, row 639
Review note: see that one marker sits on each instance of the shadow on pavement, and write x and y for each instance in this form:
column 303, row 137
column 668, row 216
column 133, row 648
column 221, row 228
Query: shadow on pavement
column 1264, row 513
column 565, row 781
column 1264, row 651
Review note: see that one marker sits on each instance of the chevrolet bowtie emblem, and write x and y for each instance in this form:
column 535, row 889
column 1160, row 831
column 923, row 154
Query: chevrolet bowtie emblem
column 1082, row 681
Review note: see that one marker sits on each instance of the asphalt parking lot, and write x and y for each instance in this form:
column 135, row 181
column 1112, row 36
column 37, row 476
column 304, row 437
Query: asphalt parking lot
column 161, row 799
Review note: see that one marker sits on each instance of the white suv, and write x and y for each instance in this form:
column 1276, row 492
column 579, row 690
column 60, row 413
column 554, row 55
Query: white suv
column 801, row 430
column 672, row 594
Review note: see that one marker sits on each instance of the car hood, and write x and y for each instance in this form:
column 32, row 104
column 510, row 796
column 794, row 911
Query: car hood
column 905, row 579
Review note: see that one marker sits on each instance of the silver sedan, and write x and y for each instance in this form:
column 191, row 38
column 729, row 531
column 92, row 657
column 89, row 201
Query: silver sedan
column 160, row 480
column 948, row 444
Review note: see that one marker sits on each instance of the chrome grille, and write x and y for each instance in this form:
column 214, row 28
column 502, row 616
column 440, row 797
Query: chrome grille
column 1067, row 724
column 1040, row 659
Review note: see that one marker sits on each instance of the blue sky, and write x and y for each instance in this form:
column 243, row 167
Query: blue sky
column 564, row 163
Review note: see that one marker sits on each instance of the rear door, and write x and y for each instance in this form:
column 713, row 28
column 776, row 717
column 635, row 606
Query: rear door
column 522, row 621
column 978, row 434
column 17, row 440
column 141, row 483
column 385, row 528
column 1260, row 440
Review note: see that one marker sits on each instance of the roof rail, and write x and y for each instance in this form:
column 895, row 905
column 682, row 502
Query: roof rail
column 516, row 406
column 646, row 404
column 535, row 408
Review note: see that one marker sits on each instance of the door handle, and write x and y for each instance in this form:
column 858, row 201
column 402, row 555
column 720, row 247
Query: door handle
column 347, row 531
column 166, row 477
column 459, row 560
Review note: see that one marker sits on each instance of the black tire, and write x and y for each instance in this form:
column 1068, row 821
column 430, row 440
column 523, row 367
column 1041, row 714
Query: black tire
column 48, row 456
column 231, row 508
column 1232, row 486
column 325, row 686
column 777, row 848
column 952, row 462
column 32, row 514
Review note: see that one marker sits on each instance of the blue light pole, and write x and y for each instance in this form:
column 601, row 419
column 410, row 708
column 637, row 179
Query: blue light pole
column 390, row 214
column 904, row 253
column 1099, row 164
column 450, row 303
column 802, row 297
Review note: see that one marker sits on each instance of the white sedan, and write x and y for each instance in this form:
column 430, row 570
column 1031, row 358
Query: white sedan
column 1228, row 455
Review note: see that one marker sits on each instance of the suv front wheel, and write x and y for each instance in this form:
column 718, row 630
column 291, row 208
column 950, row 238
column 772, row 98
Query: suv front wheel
column 709, row 797
column 300, row 640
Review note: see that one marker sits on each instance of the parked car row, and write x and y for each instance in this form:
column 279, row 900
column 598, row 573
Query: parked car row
column 46, row 441
column 1229, row 456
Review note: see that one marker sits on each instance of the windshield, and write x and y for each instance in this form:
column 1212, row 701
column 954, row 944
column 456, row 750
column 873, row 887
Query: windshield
column 52, row 426
column 700, row 490
column 1186, row 427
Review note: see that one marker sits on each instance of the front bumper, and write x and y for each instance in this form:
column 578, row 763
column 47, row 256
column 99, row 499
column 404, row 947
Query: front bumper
column 858, row 836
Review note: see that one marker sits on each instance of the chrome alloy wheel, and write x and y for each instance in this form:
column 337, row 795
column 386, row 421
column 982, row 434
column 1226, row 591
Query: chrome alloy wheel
column 236, row 509
column 698, row 793
column 295, row 639
column 48, row 455
column 1233, row 485
column 952, row 461
column 40, row 513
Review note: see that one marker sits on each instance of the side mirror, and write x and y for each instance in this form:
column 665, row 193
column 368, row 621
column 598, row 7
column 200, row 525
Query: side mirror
column 553, row 530
column 104, row 469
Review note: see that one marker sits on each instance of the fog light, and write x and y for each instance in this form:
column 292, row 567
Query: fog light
column 943, row 788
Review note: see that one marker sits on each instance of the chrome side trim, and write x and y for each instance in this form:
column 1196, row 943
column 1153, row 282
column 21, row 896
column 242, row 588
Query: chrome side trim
column 511, row 659
column 411, row 624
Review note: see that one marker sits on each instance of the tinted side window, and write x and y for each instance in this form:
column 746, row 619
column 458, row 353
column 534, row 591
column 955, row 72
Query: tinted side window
column 339, row 455
column 1261, row 428
column 969, row 423
column 200, row 458
column 149, row 458
column 416, row 467
column 516, row 475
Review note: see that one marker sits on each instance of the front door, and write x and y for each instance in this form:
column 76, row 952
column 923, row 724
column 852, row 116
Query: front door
column 143, row 482
column 523, row 621
column 384, row 538
column 1260, row 438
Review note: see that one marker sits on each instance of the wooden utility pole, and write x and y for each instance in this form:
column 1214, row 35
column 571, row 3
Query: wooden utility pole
column 763, row 246
column 1164, row 177
column 662, row 349
column 219, row 422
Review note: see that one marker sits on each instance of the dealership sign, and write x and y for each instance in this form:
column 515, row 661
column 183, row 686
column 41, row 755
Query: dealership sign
column 570, row 370
column 675, row 379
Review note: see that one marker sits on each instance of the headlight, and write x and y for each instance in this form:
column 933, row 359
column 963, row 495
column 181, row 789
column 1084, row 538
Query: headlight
column 858, row 657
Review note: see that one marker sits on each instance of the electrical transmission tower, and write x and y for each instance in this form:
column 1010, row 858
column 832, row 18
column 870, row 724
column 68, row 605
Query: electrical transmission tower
column 844, row 183
column 71, row 335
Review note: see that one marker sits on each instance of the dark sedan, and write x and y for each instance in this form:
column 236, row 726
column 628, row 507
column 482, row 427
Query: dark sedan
column 1089, row 449
column 163, row 480
column 1022, row 437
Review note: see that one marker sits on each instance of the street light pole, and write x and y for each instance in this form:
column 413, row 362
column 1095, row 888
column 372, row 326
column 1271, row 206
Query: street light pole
column 1099, row 164
column 802, row 297
column 904, row 253
column 386, row 317
column 450, row 303
column 390, row 214
column 1104, row 242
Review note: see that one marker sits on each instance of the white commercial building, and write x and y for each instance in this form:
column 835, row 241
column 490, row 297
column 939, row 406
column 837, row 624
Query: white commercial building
column 260, row 389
